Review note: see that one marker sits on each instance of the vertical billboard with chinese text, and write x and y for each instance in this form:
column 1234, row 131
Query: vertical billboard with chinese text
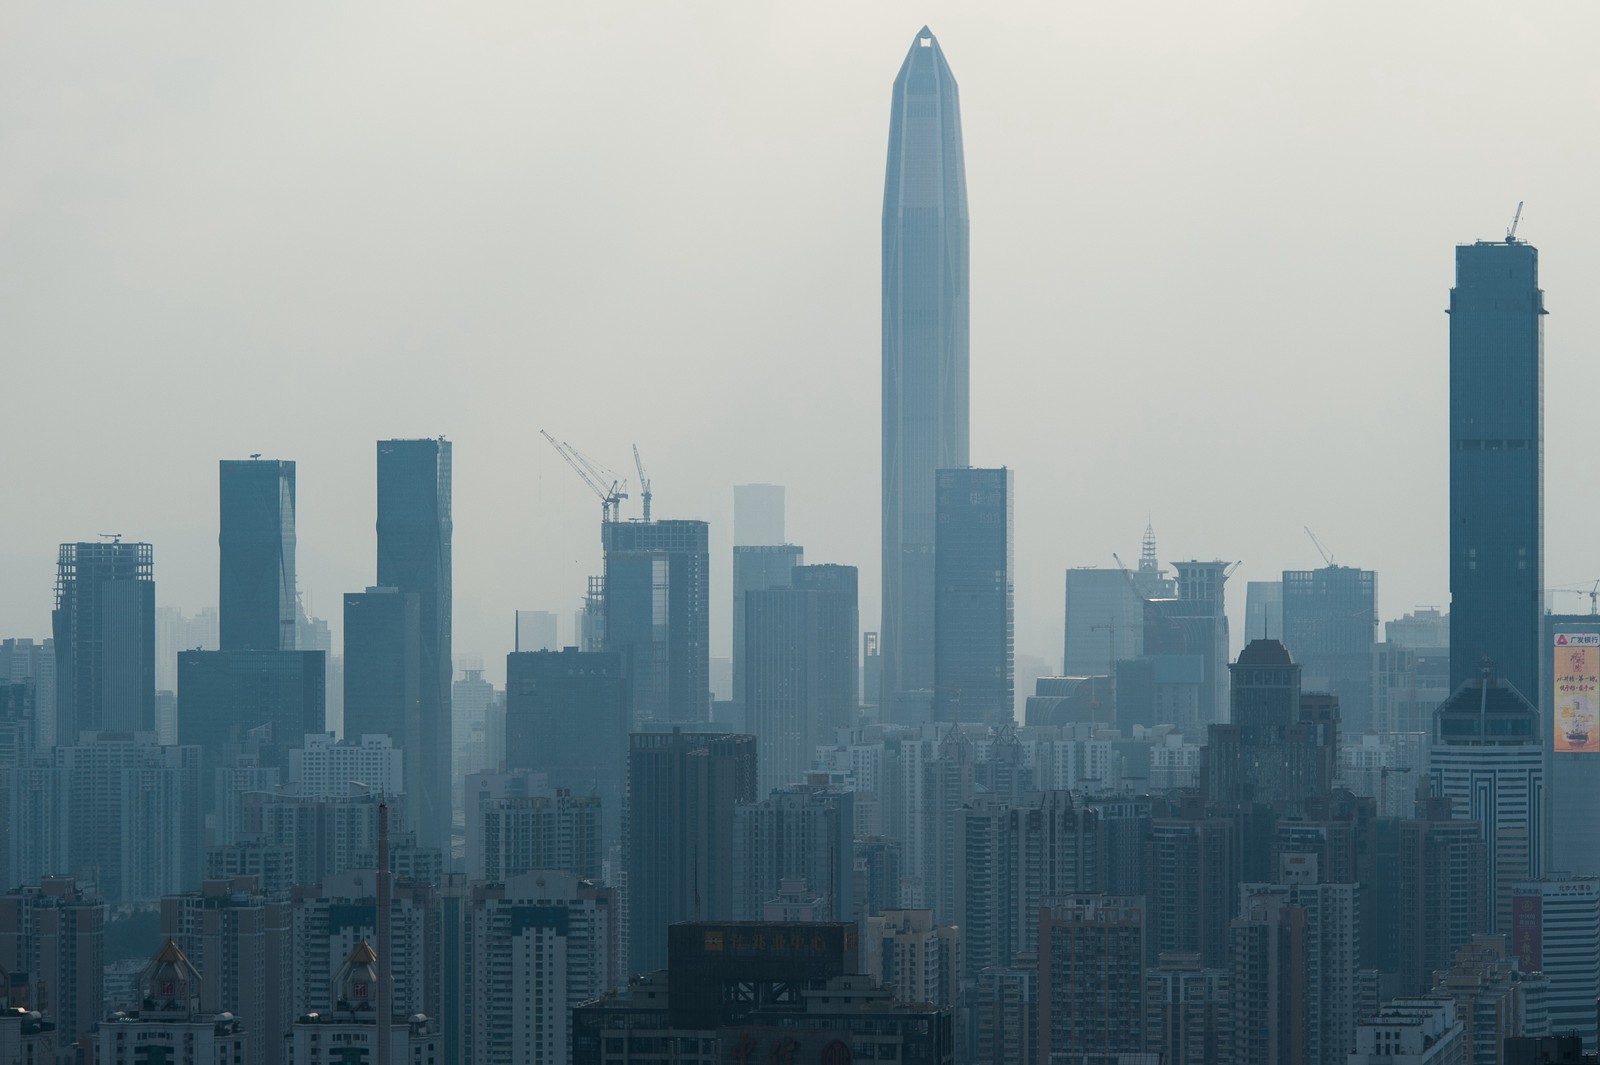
column 1577, row 687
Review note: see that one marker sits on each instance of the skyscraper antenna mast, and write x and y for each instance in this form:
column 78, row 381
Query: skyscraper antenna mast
column 1511, row 234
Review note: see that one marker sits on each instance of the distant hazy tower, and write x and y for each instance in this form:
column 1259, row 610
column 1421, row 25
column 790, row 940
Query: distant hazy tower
column 973, row 597
column 414, row 532
column 924, row 347
column 257, row 609
column 757, row 515
column 1496, row 463
column 105, row 631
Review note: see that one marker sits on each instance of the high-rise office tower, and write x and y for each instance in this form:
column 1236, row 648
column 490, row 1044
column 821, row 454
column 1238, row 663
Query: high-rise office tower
column 256, row 604
column 658, row 615
column 383, row 674
column 800, row 684
column 257, row 678
column 755, row 569
column 757, row 515
column 682, row 791
column 226, row 696
column 414, row 555
column 973, row 596
column 1278, row 746
column 924, row 347
column 1496, row 463
column 105, row 632
column 1330, row 622
column 1485, row 756
column 568, row 714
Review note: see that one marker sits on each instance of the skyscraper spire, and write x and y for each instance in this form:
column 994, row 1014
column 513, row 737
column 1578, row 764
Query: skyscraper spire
column 925, row 388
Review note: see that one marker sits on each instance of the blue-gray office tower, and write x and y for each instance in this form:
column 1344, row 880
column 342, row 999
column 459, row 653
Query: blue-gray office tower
column 973, row 597
column 256, row 609
column 414, row 555
column 1496, row 463
column 658, row 615
column 924, row 348
column 105, row 631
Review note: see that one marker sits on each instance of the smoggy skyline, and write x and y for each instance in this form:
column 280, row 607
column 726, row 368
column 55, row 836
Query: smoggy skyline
column 1211, row 252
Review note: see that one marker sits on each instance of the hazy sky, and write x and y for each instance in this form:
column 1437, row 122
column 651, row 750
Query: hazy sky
column 1211, row 249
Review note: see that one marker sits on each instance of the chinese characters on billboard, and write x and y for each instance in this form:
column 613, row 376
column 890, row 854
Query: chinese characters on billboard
column 1577, row 687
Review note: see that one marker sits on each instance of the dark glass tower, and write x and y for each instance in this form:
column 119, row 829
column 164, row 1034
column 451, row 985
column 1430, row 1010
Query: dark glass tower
column 257, row 678
column 382, row 671
column 256, row 608
column 414, row 556
column 924, row 347
column 1496, row 463
column 568, row 715
column 658, row 615
column 682, row 791
column 105, row 632
column 973, row 597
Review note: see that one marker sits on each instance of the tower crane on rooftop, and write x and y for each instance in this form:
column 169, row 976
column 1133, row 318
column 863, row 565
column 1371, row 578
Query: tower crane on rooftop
column 1323, row 551
column 601, row 481
column 644, row 482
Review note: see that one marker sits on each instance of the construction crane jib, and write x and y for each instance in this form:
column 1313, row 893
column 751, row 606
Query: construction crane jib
column 601, row 481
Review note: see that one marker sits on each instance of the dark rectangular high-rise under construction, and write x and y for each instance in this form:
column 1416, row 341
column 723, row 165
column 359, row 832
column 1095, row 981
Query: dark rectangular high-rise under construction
column 1496, row 463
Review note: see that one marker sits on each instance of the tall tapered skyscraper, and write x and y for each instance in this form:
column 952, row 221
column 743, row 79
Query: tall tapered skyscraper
column 257, row 609
column 1496, row 463
column 924, row 347
column 414, row 530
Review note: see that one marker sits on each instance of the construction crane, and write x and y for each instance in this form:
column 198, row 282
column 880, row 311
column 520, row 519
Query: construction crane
column 644, row 482
column 595, row 476
column 1323, row 551
column 1511, row 234
column 1126, row 572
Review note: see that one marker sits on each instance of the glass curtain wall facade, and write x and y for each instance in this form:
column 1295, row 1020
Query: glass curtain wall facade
column 925, row 387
